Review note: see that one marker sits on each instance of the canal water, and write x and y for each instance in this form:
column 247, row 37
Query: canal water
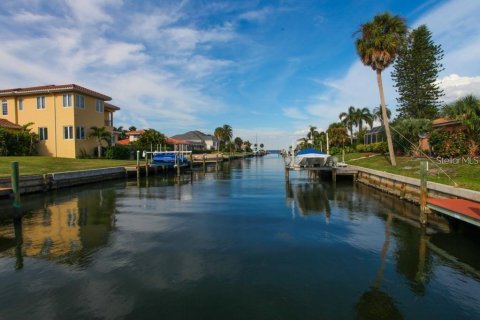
column 236, row 243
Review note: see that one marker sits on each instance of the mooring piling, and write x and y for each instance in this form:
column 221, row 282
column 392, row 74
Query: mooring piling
column 423, row 192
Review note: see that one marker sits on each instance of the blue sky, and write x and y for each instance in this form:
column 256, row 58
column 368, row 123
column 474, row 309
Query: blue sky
column 268, row 68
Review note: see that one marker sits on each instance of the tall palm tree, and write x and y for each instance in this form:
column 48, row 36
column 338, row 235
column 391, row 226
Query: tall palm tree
column 218, row 133
column 100, row 134
column 227, row 132
column 349, row 119
column 377, row 47
column 366, row 116
column 377, row 113
column 238, row 143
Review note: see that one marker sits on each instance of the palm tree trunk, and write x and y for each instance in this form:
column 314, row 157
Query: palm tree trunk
column 385, row 119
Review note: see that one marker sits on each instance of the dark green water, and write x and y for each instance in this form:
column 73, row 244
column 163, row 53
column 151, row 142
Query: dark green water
column 235, row 244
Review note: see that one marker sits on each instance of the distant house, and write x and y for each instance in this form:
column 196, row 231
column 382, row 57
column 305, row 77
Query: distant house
column 445, row 124
column 374, row 135
column 132, row 136
column 61, row 115
column 198, row 140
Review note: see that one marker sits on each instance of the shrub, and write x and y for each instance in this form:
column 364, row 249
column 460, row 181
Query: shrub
column 118, row 152
column 18, row 143
column 360, row 147
column 448, row 144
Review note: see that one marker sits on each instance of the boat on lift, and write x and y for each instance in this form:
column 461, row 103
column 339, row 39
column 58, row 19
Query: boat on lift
column 310, row 158
column 169, row 159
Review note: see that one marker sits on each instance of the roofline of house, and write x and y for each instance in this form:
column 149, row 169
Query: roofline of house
column 51, row 89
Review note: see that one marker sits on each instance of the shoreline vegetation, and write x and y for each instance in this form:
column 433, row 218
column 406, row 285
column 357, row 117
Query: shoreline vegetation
column 37, row 165
column 466, row 174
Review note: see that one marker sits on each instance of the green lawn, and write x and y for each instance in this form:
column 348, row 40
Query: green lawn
column 466, row 175
column 41, row 165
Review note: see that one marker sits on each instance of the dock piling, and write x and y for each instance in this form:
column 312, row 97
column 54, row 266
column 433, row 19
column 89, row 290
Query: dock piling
column 16, row 184
column 138, row 163
column 423, row 192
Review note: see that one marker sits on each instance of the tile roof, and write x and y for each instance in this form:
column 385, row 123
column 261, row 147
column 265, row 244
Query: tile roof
column 176, row 141
column 444, row 121
column 123, row 142
column 4, row 123
column 136, row 132
column 111, row 106
column 53, row 88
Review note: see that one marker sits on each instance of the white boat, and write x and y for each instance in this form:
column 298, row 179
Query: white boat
column 311, row 158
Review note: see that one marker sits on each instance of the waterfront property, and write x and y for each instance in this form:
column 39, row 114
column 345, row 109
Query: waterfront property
column 61, row 115
column 239, row 242
column 199, row 140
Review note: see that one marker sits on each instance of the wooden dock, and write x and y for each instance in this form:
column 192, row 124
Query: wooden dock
column 334, row 171
column 461, row 209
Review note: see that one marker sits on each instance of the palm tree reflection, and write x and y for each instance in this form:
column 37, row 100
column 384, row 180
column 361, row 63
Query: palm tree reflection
column 374, row 303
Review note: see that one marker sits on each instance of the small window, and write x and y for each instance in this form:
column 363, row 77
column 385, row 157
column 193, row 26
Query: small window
column 80, row 101
column 67, row 100
column 42, row 134
column 20, row 104
column 99, row 106
column 41, row 102
column 4, row 107
column 80, row 133
column 68, row 132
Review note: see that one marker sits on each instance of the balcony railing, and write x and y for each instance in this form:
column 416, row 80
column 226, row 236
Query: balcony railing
column 108, row 123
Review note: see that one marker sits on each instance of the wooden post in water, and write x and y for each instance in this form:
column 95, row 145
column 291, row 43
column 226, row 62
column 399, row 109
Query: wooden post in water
column 287, row 173
column 138, row 163
column 423, row 192
column 146, row 164
column 204, row 159
column 334, row 174
column 191, row 161
column 16, row 184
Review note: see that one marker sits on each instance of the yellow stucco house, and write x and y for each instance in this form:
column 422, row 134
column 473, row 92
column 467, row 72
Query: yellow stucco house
column 62, row 116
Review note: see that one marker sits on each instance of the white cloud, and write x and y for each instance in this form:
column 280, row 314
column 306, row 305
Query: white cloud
column 294, row 113
column 91, row 12
column 29, row 17
column 455, row 86
column 256, row 15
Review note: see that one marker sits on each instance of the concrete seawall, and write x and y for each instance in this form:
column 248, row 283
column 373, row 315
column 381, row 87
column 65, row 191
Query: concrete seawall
column 409, row 188
column 52, row 181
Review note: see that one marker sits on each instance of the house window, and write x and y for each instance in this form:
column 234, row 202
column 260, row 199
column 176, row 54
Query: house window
column 41, row 102
column 99, row 106
column 80, row 101
column 67, row 100
column 68, row 132
column 80, row 133
column 4, row 107
column 20, row 104
column 42, row 134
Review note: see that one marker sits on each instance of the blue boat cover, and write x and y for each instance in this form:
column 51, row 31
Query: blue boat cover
column 309, row 151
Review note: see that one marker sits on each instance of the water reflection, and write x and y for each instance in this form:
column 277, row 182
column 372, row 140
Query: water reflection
column 306, row 198
column 65, row 230
column 220, row 242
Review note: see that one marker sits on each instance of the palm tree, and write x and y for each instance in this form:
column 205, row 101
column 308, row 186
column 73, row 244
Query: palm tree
column 337, row 133
column 227, row 132
column 218, row 133
column 238, row 143
column 349, row 119
column 377, row 47
column 100, row 134
column 377, row 113
column 366, row 116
